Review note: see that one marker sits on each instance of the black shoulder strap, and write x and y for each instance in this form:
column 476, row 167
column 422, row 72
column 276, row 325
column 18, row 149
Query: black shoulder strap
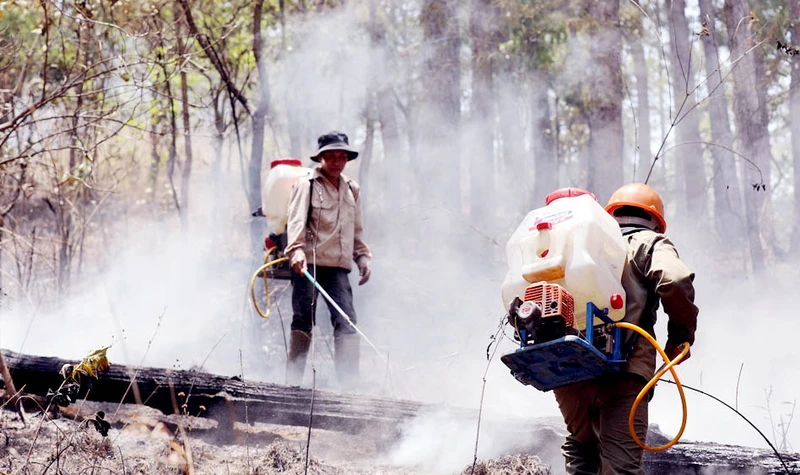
column 310, row 198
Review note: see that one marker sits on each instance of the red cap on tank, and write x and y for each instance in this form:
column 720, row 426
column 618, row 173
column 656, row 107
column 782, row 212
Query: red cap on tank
column 566, row 193
column 295, row 162
column 616, row 301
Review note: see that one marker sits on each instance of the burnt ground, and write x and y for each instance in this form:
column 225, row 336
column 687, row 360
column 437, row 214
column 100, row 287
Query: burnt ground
column 144, row 441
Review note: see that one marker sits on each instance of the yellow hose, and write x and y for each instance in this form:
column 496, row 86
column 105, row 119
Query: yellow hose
column 669, row 366
column 267, row 264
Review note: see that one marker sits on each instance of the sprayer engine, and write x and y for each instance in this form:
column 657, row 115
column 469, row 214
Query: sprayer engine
column 546, row 313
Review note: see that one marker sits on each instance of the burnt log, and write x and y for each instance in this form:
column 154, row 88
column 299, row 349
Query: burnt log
column 224, row 399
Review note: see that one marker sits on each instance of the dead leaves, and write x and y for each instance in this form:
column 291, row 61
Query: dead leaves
column 705, row 31
column 100, row 424
column 788, row 49
column 95, row 362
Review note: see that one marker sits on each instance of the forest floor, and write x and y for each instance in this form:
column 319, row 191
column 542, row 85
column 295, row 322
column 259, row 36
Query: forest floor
column 138, row 442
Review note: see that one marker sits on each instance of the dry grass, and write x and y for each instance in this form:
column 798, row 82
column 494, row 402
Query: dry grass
column 509, row 465
column 140, row 446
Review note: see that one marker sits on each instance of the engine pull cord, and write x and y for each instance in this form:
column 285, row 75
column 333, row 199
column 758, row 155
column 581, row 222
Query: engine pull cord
column 669, row 366
column 267, row 264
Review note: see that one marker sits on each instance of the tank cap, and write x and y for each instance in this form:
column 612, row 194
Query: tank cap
column 295, row 162
column 566, row 193
column 616, row 301
column 542, row 225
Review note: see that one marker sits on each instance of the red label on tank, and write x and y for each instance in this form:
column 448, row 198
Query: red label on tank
column 553, row 218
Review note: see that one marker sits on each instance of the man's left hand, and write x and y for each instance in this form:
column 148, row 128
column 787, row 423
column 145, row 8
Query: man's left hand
column 363, row 270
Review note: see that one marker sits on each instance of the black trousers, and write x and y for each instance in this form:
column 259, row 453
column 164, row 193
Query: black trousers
column 335, row 282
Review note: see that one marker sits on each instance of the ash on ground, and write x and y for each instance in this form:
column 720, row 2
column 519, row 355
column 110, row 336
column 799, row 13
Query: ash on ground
column 143, row 441
column 509, row 465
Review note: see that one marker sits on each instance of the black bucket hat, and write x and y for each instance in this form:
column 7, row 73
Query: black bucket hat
column 334, row 141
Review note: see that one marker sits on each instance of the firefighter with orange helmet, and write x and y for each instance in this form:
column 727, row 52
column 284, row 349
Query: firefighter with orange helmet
column 596, row 411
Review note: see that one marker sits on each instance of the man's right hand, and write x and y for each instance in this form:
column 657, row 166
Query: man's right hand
column 299, row 265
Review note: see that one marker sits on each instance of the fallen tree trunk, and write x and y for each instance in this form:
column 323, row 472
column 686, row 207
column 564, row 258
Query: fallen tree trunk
column 224, row 399
column 229, row 399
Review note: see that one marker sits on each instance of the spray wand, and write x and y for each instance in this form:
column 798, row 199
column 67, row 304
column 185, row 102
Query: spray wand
column 341, row 312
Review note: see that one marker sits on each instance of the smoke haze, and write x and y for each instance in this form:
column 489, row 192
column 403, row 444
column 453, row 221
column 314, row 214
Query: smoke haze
column 177, row 300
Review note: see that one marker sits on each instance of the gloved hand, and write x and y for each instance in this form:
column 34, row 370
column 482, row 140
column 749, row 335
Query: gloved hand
column 363, row 269
column 673, row 349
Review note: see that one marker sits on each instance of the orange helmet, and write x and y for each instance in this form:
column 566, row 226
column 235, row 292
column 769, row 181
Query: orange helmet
column 639, row 196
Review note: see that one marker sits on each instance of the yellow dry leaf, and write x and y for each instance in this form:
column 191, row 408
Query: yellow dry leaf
column 95, row 362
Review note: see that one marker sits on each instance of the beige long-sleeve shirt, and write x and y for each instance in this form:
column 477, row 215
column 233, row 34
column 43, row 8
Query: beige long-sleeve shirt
column 333, row 226
column 654, row 272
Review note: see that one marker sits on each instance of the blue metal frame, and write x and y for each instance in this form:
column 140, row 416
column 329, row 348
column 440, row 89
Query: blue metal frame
column 591, row 312
column 565, row 360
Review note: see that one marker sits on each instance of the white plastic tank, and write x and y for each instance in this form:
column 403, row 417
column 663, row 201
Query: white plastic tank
column 573, row 242
column 283, row 174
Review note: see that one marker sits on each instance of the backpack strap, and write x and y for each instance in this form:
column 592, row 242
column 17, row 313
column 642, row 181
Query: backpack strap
column 310, row 198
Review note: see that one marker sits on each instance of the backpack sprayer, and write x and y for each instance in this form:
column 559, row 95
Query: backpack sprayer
column 282, row 176
column 565, row 265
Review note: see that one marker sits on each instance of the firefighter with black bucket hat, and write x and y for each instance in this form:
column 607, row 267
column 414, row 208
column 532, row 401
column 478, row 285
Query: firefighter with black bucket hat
column 324, row 238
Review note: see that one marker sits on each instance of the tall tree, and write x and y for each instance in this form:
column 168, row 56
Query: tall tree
column 480, row 130
column 294, row 107
column 386, row 111
column 603, row 107
column 439, row 120
column 751, row 118
column 186, row 170
column 691, row 181
column 794, row 117
column 259, row 124
column 644, row 136
column 543, row 137
column 725, row 180
column 513, row 157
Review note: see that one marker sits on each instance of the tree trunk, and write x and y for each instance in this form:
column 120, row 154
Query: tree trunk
column 479, row 133
column 207, row 44
column 155, row 163
column 794, row 118
column 727, row 192
column 543, row 133
column 393, row 158
column 172, row 147
column 217, row 182
column 604, row 110
column 515, row 164
column 644, row 136
column 293, row 106
column 259, row 124
column 366, row 158
column 751, row 123
column 395, row 171
column 688, row 153
column 438, row 163
column 186, row 171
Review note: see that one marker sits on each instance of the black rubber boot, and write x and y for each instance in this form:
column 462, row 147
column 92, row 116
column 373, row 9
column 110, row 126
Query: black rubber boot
column 299, row 343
